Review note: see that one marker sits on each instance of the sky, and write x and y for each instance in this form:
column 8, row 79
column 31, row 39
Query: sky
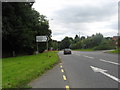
column 81, row 17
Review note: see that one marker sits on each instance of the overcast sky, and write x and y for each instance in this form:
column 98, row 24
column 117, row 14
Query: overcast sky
column 84, row 17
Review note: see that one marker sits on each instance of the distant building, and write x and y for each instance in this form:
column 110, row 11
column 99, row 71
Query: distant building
column 116, row 38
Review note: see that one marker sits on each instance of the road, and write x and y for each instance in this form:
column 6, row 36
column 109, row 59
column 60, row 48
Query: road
column 82, row 70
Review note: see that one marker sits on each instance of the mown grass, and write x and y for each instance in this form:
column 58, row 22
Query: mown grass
column 117, row 51
column 83, row 49
column 19, row 71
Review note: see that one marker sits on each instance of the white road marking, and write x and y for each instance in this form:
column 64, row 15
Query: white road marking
column 95, row 69
column 88, row 57
column 109, row 62
column 77, row 54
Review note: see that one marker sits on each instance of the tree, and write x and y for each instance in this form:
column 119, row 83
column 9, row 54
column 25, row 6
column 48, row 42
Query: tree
column 21, row 24
column 96, row 39
column 65, row 43
column 83, row 37
column 105, row 45
column 54, row 44
column 76, row 37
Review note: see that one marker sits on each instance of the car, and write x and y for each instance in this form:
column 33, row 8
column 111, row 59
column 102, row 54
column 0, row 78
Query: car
column 67, row 51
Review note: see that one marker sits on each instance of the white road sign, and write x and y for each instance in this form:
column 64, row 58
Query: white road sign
column 41, row 38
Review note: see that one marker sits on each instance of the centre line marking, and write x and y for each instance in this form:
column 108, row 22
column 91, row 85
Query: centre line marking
column 109, row 62
column 88, row 57
column 64, row 77
column 61, row 66
column 62, row 70
column 67, row 87
column 77, row 54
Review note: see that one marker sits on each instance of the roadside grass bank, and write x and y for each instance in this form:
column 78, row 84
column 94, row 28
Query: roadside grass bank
column 84, row 49
column 19, row 71
column 92, row 49
column 117, row 51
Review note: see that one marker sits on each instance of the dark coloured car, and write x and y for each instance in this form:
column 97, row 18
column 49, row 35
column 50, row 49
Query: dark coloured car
column 67, row 51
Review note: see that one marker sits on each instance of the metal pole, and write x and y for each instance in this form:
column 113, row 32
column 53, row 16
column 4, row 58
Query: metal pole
column 47, row 46
column 13, row 53
column 37, row 48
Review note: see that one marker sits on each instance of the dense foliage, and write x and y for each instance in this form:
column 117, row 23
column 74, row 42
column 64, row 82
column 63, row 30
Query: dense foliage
column 97, row 42
column 54, row 45
column 65, row 43
column 21, row 25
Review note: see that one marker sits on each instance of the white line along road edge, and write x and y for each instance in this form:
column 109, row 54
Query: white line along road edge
column 95, row 69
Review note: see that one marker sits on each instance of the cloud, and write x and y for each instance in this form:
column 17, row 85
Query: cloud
column 77, row 14
column 87, row 17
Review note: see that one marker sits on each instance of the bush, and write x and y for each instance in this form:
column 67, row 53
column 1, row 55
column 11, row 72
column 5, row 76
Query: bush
column 104, row 47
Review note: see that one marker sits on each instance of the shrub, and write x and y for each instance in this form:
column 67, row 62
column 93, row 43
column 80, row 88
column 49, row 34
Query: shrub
column 103, row 47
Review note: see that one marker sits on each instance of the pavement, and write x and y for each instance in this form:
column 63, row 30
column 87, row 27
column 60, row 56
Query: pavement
column 82, row 69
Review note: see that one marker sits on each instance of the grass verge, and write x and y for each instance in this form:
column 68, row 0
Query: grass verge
column 117, row 51
column 19, row 71
column 83, row 49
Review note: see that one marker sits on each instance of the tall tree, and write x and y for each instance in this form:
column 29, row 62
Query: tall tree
column 83, row 37
column 76, row 37
column 21, row 24
column 65, row 43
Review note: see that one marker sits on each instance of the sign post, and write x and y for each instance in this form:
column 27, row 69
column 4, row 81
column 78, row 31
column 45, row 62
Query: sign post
column 47, row 44
column 41, row 39
column 37, row 48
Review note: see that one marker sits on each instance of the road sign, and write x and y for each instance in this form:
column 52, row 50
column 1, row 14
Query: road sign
column 41, row 38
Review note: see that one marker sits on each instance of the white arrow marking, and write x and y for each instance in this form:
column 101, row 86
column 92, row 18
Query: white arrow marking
column 109, row 62
column 95, row 69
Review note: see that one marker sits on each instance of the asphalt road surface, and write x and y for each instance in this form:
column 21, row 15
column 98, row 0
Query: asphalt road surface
column 82, row 70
